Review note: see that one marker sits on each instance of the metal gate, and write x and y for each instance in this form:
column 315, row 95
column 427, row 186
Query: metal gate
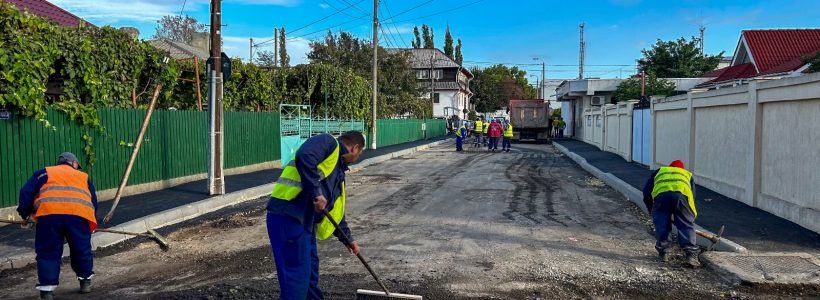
column 295, row 128
column 298, row 125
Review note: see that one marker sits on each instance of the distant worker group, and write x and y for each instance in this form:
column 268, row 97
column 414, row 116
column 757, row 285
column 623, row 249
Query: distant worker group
column 486, row 134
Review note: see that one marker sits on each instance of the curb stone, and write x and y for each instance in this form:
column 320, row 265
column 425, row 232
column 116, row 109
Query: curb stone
column 636, row 196
column 193, row 210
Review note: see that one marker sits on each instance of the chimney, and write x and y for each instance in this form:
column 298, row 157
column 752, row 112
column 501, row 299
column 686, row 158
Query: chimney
column 201, row 41
column 131, row 31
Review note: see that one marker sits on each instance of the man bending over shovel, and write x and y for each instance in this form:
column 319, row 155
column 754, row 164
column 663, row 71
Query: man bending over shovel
column 310, row 183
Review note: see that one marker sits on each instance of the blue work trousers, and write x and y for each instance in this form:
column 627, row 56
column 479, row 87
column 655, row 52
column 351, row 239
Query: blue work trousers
column 505, row 143
column 477, row 139
column 666, row 206
column 459, row 143
column 492, row 144
column 51, row 233
column 297, row 262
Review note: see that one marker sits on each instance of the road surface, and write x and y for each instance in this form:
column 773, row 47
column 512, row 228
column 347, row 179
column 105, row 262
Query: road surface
column 528, row 224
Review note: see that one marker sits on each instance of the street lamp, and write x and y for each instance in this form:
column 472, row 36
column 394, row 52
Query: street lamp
column 538, row 85
column 543, row 77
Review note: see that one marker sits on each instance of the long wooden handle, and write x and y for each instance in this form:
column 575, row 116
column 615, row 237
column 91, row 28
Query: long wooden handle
column 144, row 128
column 14, row 222
column 98, row 229
column 348, row 243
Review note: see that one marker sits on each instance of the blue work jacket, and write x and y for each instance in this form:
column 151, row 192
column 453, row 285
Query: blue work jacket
column 31, row 188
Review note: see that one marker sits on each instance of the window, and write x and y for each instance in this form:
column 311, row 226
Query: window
column 438, row 74
column 422, row 74
column 435, row 97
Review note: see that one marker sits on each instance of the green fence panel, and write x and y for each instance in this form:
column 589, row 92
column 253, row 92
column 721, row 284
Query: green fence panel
column 175, row 145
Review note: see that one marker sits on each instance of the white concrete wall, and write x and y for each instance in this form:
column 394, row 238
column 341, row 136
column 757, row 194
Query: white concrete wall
column 618, row 129
column 593, row 132
column 757, row 143
column 566, row 114
column 449, row 99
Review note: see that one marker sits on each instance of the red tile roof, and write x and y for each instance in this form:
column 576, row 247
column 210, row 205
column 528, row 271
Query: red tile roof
column 730, row 73
column 780, row 50
column 47, row 10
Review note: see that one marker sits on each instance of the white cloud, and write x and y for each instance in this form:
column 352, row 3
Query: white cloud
column 323, row 5
column 113, row 11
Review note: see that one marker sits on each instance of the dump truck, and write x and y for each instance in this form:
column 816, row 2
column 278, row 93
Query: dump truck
column 530, row 120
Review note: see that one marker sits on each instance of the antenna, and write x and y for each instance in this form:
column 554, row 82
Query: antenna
column 581, row 54
column 702, row 29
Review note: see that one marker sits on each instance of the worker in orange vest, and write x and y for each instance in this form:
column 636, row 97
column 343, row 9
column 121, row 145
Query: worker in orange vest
column 62, row 201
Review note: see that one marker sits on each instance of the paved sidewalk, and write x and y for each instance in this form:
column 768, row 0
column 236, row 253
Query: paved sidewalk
column 14, row 241
column 751, row 227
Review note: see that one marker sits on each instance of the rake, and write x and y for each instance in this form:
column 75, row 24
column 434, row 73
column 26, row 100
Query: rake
column 368, row 294
column 151, row 234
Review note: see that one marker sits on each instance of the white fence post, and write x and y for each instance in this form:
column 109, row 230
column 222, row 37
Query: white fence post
column 753, row 163
column 690, row 110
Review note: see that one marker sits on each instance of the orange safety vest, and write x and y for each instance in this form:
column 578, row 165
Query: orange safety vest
column 65, row 193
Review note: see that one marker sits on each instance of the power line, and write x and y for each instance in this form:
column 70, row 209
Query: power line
column 407, row 10
column 314, row 22
column 395, row 28
column 440, row 12
column 342, row 11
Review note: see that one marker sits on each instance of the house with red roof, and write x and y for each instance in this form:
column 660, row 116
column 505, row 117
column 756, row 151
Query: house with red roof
column 767, row 54
column 49, row 11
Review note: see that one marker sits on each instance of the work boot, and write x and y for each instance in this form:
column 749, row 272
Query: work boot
column 692, row 261
column 85, row 286
column 662, row 257
column 46, row 295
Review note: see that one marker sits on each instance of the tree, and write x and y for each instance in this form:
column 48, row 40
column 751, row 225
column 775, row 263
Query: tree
column 631, row 88
column 556, row 113
column 459, row 58
column 448, row 43
column 493, row 87
column 814, row 60
column 678, row 59
column 178, row 28
column 266, row 59
column 284, row 58
column 417, row 39
column 427, row 35
column 397, row 79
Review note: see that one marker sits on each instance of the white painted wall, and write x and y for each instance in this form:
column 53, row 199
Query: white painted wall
column 618, row 129
column 449, row 99
column 757, row 143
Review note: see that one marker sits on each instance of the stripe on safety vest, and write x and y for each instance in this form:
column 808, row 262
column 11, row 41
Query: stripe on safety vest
column 63, row 199
column 671, row 173
column 288, row 181
column 671, row 180
column 65, row 188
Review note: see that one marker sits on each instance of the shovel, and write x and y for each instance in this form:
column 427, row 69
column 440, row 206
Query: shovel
column 151, row 234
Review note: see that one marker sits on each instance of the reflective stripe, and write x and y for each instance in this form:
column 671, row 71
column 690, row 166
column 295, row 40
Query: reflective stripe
column 41, row 176
column 62, row 199
column 65, row 188
column 289, row 181
column 670, row 173
column 671, row 180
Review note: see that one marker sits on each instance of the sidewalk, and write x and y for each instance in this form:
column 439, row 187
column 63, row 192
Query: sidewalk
column 15, row 242
column 751, row 227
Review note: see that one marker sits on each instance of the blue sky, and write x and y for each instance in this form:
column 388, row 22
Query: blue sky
column 506, row 31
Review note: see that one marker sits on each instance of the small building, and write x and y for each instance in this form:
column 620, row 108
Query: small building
column 177, row 50
column 451, row 81
column 49, row 11
column 577, row 95
column 766, row 54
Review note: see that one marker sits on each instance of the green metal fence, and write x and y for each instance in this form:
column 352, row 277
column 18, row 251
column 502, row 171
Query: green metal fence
column 175, row 145
column 397, row 131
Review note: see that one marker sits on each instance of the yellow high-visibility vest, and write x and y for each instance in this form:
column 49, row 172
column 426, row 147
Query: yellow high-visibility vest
column 486, row 126
column 289, row 185
column 478, row 126
column 672, row 179
column 509, row 131
column 458, row 131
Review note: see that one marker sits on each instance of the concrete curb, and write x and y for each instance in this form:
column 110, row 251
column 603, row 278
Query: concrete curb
column 636, row 196
column 192, row 210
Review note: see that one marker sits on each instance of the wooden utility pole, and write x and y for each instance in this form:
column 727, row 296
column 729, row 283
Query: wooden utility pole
column 375, row 70
column 216, row 179
column 432, row 87
column 543, row 79
column 276, row 47
column 250, row 49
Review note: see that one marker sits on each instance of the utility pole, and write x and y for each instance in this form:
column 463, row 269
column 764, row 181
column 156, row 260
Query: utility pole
column 216, row 183
column 375, row 70
column 541, row 83
column 643, row 84
column 702, row 29
column 581, row 54
column 276, row 47
column 250, row 48
column 432, row 88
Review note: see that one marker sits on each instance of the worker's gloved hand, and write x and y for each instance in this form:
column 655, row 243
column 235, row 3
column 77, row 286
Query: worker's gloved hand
column 319, row 203
column 353, row 248
column 29, row 223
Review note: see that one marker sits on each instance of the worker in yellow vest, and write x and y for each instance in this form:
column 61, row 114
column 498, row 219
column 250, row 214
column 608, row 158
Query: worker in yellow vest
column 670, row 192
column 477, row 130
column 508, row 134
column 461, row 133
column 311, row 183
column 485, row 140
column 62, row 201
